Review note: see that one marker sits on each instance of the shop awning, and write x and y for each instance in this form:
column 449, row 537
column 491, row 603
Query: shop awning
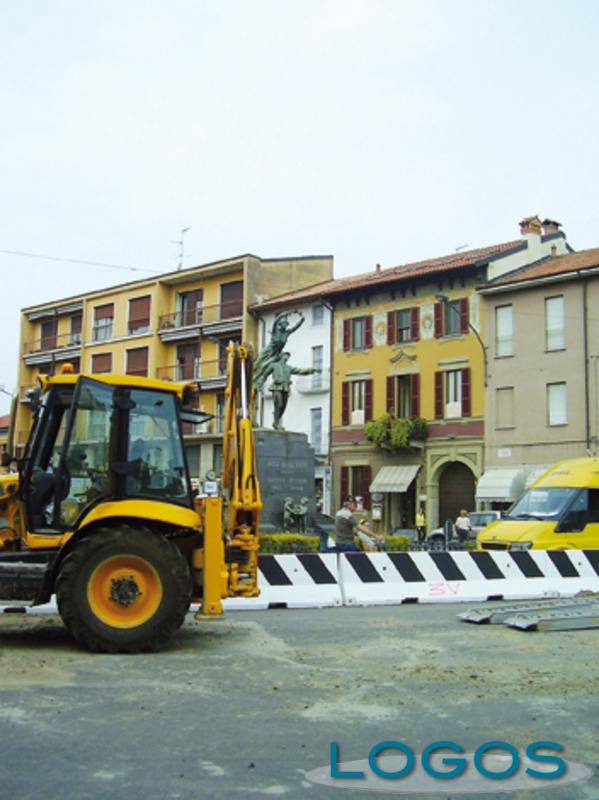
column 501, row 484
column 394, row 479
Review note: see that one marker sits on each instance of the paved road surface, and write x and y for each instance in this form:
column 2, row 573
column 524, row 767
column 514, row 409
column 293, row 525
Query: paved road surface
column 245, row 705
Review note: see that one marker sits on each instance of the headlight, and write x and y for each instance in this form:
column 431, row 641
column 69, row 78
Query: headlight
column 520, row 545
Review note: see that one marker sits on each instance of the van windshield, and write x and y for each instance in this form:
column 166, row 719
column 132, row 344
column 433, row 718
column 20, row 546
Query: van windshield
column 541, row 504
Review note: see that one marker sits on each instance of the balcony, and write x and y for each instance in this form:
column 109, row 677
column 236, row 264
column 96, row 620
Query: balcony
column 60, row 347
column 210, row 374
column 207, row 320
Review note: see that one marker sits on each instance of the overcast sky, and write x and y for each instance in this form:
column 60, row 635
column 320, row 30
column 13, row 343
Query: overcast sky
column 373, row 130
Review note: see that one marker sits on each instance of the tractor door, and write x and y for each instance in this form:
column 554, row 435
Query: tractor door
column 68, row 465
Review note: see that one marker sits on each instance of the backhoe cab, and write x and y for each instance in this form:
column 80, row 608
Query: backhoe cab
column 102, row 514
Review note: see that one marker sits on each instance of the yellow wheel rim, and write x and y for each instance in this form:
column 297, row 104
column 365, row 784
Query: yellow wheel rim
column 124, row 591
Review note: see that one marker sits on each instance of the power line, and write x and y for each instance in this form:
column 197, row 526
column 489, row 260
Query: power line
column 80, row 261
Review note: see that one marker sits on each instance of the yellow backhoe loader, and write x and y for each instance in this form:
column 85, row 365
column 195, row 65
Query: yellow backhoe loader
column 101, row 512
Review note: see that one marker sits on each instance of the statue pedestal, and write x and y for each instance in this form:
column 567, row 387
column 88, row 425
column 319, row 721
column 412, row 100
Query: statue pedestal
column 286, row 468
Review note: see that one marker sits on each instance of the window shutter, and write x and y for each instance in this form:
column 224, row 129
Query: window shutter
column 368, row 331
column 139, row 313
column 368, row 400
column 415, row 395
column 137, row 361
column 438, row 320
column 104, row 312
column 415, row 324
column 344, row 484
column 439, row 395
column 76, row 323
column 345, row 403
column 346, row 334
column 391, row 393
column 464, row 315
column 366, row 481
column 466, row 393
column 101, row 362
column 391, row 327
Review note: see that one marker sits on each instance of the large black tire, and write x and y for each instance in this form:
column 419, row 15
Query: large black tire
column 123, row 590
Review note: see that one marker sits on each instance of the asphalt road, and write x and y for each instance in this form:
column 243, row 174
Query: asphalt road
column 247, row 704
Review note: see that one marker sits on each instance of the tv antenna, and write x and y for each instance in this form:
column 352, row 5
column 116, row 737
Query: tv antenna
column 181, row 243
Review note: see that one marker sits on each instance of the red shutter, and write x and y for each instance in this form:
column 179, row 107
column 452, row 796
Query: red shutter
column 344, row 484
column 366, row 481
column 391, row 327
column 345, row 403
column 391, row 393
column 368, row 332
column 438, row 319
column 439, row 395
column 346, row 334
column 415, row 395
column 464, row 315
column 415, row 324
column 466, row 393
column 368, row 400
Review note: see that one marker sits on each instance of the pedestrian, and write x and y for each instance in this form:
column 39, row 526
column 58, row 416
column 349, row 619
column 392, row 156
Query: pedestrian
column 462, row 526
column 347, row 527
column 420, row 525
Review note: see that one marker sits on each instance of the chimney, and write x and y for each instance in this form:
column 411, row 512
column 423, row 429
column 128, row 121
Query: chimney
column 378, row 267
column 550, row 226
column 553, row 250
column 530, row 225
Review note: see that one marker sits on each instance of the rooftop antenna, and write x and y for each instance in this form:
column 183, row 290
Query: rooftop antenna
column 180, row 242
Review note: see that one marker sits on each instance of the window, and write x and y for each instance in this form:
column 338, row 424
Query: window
column 554, row 323
column 357, row 333
column 557, row 410
column 217, row 458
column 187, row 361
column 451, row 317
column 452, row 394
column 231, row 299
column 190, row 307
column 355, row 481
column 220, row 412
column 356, row 402
column 504, row 331
column 103, row 319
column 49, row 334
column 317, row 363
column 403, row 395
column 139, row 314
column 403, row 325
column 316, row 429
column 317, row 315
column 137, row 361
column 101, row 363
column 504, row 407
column 75, row 334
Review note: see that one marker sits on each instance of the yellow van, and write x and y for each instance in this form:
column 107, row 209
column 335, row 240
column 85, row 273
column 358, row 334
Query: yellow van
column 560, row 511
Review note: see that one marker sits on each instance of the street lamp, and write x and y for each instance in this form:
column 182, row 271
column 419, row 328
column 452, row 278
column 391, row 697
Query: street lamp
column 445, row 300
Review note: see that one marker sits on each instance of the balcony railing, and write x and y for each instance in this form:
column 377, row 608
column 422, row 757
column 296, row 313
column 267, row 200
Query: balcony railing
column 204, row 315
column 53, row 342
column 196, row 370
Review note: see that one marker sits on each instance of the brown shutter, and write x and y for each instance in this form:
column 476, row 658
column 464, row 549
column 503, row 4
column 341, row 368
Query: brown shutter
column 139, row 313
column 439, row 395
column 345, row 403
column 346, row 334
column 366, row 481
column 368, row 331
column 101, row 362
column 344, row 484
column 137, row 361
column 415, row 395
column 231, row 299
column 76, row 323
column 415, row 324
column 466, row 393
column 391, row 393
column 104, row 312
column 368, row 400
column 464, row 315
column 49, row 334
column 438, row 319
column 391, row 327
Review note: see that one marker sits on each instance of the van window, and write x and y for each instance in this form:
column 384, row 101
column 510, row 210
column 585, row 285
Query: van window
column 542, row 503
column 583, row 510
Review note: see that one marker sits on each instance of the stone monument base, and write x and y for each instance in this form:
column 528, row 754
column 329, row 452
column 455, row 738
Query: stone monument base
column 286, row 468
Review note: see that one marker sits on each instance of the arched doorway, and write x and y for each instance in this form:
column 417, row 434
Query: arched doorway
column 456, row 491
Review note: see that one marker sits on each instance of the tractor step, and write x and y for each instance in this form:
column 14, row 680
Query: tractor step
column 21, row 578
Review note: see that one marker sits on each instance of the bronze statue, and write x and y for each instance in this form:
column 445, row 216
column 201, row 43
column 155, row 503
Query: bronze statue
column 281, row 331
column 281, row 373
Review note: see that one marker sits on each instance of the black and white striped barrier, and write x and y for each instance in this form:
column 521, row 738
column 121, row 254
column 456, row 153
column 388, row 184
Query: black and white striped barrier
column 314, row 580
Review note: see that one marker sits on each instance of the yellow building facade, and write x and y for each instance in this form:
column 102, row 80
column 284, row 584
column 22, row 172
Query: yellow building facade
column 173, row 327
